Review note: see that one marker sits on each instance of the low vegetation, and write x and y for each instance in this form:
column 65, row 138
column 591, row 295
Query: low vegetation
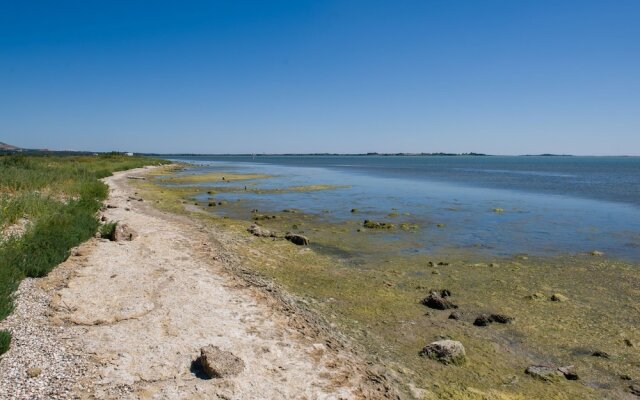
column 60, row 197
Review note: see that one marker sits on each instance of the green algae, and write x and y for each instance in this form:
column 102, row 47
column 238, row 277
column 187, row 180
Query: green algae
column 371, row 290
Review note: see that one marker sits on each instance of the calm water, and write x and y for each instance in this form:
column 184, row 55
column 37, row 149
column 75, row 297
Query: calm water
column 552, row 204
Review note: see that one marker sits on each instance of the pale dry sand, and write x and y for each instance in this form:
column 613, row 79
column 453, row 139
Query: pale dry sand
column 128, row 318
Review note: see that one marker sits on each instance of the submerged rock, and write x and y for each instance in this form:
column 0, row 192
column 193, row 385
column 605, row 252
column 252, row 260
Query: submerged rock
column 439, row 301
column 445, row 351
column 377, row 225
column 216, row 363
column 294, row 238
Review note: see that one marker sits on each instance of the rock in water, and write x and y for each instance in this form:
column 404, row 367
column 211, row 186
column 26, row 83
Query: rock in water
column 438, row 301
column 123, row 232
column 216, row 363
column 445, row 351
column 257, row 230
column 297, row 239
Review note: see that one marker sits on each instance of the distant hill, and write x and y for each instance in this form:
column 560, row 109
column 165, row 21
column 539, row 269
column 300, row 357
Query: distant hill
column 4, row 146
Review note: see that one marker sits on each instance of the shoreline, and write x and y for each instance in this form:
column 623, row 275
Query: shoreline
column 133, row 316
column 348, row 275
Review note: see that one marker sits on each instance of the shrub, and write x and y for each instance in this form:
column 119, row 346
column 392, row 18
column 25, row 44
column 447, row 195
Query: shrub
column 5, row 341
column 106, row 230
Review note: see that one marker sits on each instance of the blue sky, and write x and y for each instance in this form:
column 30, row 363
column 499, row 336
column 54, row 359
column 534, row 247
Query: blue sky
column 501, row 77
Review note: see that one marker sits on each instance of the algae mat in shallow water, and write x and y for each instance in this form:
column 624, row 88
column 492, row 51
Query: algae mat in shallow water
column 371, row 288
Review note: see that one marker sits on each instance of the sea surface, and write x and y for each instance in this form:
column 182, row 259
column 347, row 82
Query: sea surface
column 551, row 205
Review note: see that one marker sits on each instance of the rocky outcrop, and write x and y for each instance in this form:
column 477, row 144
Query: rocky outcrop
column 216, row 363
column 445, row 351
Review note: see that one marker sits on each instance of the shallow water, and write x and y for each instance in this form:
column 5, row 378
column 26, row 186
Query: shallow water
column 552, row 205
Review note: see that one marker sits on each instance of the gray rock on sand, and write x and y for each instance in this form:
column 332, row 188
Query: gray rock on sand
column 216, row 363
column 257, row 230
column 294, row 238
column 123, row 232
column 445, row 351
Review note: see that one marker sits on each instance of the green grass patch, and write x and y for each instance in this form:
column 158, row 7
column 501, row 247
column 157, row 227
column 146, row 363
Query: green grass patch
column 60, row 197
column 5, row 341
column 107, row 229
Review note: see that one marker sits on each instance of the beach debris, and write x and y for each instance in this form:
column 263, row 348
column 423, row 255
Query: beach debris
column 290, row 210
column 498, row 210
column 634, row 390
column 628, row 342
column 559, row 297
column 34, row 372
column 438, row 300
column 377, row 225
column 597, row 253
column 445, row 351
column 216, row 363
column 140, row 178
column 295, row 238
column 549, row 374
column 123, row 232
column 259, row 231
column 486, row 319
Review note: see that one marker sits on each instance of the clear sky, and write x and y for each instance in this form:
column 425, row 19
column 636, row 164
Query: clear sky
column 501, row 77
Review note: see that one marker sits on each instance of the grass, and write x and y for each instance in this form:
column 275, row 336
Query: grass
column 107, row 229
column 60, row 197
column 5, row 341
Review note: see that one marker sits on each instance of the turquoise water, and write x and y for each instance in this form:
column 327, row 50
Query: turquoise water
column 552, row 205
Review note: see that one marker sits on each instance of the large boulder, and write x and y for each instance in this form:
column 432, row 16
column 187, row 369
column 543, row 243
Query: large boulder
column 294, row 238
column 216, row 363
column 123, row 232
column 445, row 351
